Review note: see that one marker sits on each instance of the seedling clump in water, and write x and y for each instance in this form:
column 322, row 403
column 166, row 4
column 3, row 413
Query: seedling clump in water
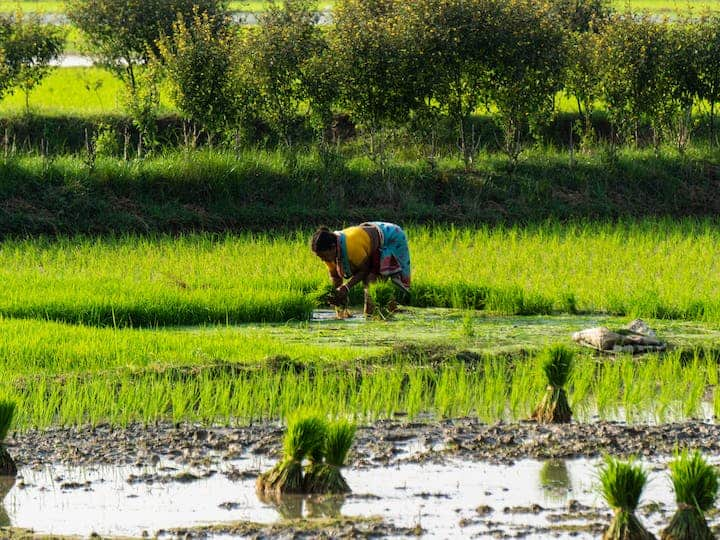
column 7, row 465
column 621, row 484
column 303, row 437
column 696, row 486
column 325, row 477
column 554, row 407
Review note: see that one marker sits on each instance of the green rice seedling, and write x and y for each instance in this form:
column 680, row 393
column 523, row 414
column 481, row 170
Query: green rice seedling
column 383, row 297
column 7, row 411
column 303, row 436
column 621, row 485
column 326, row 476
column 696, row 486
column 554, row 407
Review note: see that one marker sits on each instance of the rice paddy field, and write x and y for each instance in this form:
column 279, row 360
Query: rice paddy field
column 220, row 329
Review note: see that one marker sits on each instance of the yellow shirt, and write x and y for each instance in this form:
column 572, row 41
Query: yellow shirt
column 358, row 244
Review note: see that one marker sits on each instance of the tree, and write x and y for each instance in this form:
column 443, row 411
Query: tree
column 373, row 62
column 29, row 47
column 582, row 78
column 280, row 63
column 579, row 15
column 452, row 46
column 122, row 34
column 525, row 68
column 199, row 60
column 633, row 54
column 706, row 59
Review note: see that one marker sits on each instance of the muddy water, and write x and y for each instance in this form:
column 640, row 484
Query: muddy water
column 459, row 497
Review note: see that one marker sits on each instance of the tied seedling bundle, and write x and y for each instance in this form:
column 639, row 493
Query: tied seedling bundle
column 304, row 435
column 621, row 485
column 696, row 486
column 325, row 476
column 382, row 301
column 7, row 412
column 554, row 407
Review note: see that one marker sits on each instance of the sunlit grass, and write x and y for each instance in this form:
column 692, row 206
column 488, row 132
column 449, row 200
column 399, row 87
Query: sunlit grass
column 74, row 90
column 651, row 269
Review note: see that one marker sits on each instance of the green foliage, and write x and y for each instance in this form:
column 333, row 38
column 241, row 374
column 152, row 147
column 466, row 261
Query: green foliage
column 338, row 440
column 30, row 46
column 453, row 40
column 556, row 364
column 282, row 63
column 581, row 15
column 304, row 436
column 123, row 34
column 695, row 481
column 634, row 58
column 622, row 483
column 105, row 142
column 525, row 69
column 374, row 63
column 199, row 58
column 7, row 412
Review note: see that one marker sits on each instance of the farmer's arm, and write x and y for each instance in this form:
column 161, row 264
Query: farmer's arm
column 334, row 276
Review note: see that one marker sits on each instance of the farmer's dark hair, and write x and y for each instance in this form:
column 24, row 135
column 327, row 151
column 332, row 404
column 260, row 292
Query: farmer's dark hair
column 322, row 240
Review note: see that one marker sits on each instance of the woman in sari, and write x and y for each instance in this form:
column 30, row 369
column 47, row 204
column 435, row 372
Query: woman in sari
column 364, row 252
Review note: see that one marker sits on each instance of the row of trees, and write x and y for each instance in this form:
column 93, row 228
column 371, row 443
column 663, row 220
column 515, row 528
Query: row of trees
column 392, row 62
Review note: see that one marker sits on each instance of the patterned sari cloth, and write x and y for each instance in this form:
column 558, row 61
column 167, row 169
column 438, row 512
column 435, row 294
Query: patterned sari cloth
column 387, row 248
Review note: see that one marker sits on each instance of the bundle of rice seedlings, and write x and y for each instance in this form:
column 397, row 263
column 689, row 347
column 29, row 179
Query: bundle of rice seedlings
column 326, row 477
column 7, row 465
column 554, row 407
column 621, row 484
column 315, row 464
column 303, row 436
column 696, row 486
column 383, row 300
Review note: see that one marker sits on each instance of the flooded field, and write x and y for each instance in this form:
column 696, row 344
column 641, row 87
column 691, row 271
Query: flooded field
column 529, row 498
column 441, row 480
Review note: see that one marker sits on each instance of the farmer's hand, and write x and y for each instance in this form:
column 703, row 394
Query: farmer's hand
column 341, row 295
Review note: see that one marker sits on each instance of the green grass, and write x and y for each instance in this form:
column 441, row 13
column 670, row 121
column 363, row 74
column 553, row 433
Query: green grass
column 653, row 269
column 66, row 375
column 74, row 90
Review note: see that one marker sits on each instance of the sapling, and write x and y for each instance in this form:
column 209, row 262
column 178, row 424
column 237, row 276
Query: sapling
column 696, row 486
column 621, row 485
column 554, row 407
column 303, row 437
column 7, row 465
column 326, row 476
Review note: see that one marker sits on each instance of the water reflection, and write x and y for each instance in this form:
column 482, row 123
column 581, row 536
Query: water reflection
column 555, row 480
column 6, row 484
column 293, row 506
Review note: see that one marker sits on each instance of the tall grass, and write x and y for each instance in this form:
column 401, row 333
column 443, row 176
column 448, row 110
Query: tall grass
column 651, row 269
column 65, row 375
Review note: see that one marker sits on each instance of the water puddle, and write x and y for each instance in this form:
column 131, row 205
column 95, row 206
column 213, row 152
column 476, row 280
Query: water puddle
column 456, row 498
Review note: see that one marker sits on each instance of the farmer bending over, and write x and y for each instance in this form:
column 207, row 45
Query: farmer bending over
column 364, row 253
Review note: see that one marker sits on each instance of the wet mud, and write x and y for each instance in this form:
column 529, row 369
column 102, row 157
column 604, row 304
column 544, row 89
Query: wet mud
column 166, row 452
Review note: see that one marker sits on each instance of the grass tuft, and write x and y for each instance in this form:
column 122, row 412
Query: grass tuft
column 621, row 485
column 326, row 477
column 554, row 407
column 7, row 412
column 305, row 435
column 696, row 486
